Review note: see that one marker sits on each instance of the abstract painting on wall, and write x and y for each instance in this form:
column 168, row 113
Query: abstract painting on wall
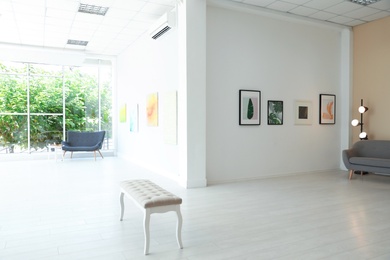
column 133, row 118
column 249, row 104
column 303, row 112
column 122, row 113
column 152, row 109
column 169, row 117
column 327, row 109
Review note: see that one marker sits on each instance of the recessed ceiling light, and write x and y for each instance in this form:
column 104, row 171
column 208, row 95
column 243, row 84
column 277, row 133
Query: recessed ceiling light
column 77, row 42
column 364, row 2
column 93, row 9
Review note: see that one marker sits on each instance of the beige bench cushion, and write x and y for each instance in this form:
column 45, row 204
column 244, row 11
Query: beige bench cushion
column 148, row 194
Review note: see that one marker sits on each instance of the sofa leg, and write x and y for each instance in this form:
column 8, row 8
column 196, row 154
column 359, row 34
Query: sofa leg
column 350, row 173
column 100, row 154
column 94, row 154
column 71, row 155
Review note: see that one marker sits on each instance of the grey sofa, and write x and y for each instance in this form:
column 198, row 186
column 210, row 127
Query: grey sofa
column 368, row 156
column 83, row 142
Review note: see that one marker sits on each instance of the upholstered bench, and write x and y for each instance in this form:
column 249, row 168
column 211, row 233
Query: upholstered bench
column 151, row 198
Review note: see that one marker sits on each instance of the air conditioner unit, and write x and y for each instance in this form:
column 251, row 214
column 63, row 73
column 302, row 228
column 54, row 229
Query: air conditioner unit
column 163, row 24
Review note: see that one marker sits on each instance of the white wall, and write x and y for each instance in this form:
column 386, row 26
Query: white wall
column 148, row 67
column 286, row 60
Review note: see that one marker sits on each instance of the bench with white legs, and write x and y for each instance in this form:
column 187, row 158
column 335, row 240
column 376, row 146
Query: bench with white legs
column 151, row 198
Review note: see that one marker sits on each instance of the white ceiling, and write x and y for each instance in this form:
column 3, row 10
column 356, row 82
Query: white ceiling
column 342, row 12
column 50, row 23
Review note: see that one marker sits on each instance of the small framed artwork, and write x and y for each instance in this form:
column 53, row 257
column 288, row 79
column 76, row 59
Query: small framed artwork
column 133, row 118
column 249, row 107
column 152, row 109
column 122, row 113
column 303, row 112
column 327, row 109
column 275, row 112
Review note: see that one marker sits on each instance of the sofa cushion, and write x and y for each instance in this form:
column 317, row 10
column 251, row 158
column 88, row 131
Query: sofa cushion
column 80, row 148
column 369, row 161
column 85, row 138
column 373, row 148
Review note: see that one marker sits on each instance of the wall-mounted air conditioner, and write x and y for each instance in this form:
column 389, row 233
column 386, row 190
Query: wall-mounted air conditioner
column 163, row 24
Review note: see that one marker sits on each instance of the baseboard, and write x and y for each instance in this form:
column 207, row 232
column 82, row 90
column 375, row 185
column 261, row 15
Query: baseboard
column 277, row 175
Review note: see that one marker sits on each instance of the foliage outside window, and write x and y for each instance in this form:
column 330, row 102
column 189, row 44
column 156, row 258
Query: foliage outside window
column 34, row 98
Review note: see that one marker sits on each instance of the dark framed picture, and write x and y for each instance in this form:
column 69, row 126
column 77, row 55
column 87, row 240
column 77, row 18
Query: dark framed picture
column 303, row 112
column 249, row 111
column 327, row 109
column 275, row 112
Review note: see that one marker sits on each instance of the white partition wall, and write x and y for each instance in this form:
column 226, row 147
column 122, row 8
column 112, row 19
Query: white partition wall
column 287, row 59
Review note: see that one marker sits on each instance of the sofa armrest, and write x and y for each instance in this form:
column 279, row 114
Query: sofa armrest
column 347, row 154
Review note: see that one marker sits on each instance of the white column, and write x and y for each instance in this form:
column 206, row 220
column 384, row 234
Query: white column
column 345, row 100
column 192, row 93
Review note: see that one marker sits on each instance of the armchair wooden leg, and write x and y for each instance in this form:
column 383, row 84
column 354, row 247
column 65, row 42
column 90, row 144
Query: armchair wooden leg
column 350, row 173
column 100, row 154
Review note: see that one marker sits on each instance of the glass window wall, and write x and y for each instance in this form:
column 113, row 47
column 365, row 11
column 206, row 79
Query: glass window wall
column 39, row 103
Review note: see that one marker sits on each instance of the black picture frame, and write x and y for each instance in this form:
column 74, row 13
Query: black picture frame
column 327, row 111
column 275, row 112
column 249, row 107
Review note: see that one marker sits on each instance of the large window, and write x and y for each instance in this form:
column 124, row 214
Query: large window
column 39, row 103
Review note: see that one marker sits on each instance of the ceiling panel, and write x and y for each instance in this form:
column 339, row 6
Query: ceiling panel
column 344, row 7
column 321, row 15
column 362, row 12
column 282, row 6
column 321, row 4
column 303, row 10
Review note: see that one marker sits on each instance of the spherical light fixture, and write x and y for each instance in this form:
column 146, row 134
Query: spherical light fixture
column 355, row 122
column 362, row 109
column 363, row 136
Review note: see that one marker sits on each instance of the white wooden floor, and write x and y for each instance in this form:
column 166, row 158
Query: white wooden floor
column 70, row 210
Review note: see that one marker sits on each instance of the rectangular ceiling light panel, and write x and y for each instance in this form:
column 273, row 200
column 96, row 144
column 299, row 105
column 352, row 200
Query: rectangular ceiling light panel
column 93, row 9
column 364, row 2
column 77, row 42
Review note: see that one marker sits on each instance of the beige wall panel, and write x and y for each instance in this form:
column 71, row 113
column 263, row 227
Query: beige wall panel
column 371, row 77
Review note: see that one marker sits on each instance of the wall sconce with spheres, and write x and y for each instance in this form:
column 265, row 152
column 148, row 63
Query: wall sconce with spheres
column 362, row 109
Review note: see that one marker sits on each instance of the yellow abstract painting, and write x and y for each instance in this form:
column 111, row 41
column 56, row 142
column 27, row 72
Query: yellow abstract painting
column 122, row 113
column 152, row 109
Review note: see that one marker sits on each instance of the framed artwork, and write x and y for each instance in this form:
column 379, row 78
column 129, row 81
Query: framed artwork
column 303, row 112
column 169, row 117
column 249, row 111
column 152, row 109
column 275, row 112
column 327, row 109
column 133, row 118
column 122, row 113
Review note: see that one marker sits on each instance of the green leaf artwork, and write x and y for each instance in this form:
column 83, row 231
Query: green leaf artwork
column 275, row 112
column 250, row 109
